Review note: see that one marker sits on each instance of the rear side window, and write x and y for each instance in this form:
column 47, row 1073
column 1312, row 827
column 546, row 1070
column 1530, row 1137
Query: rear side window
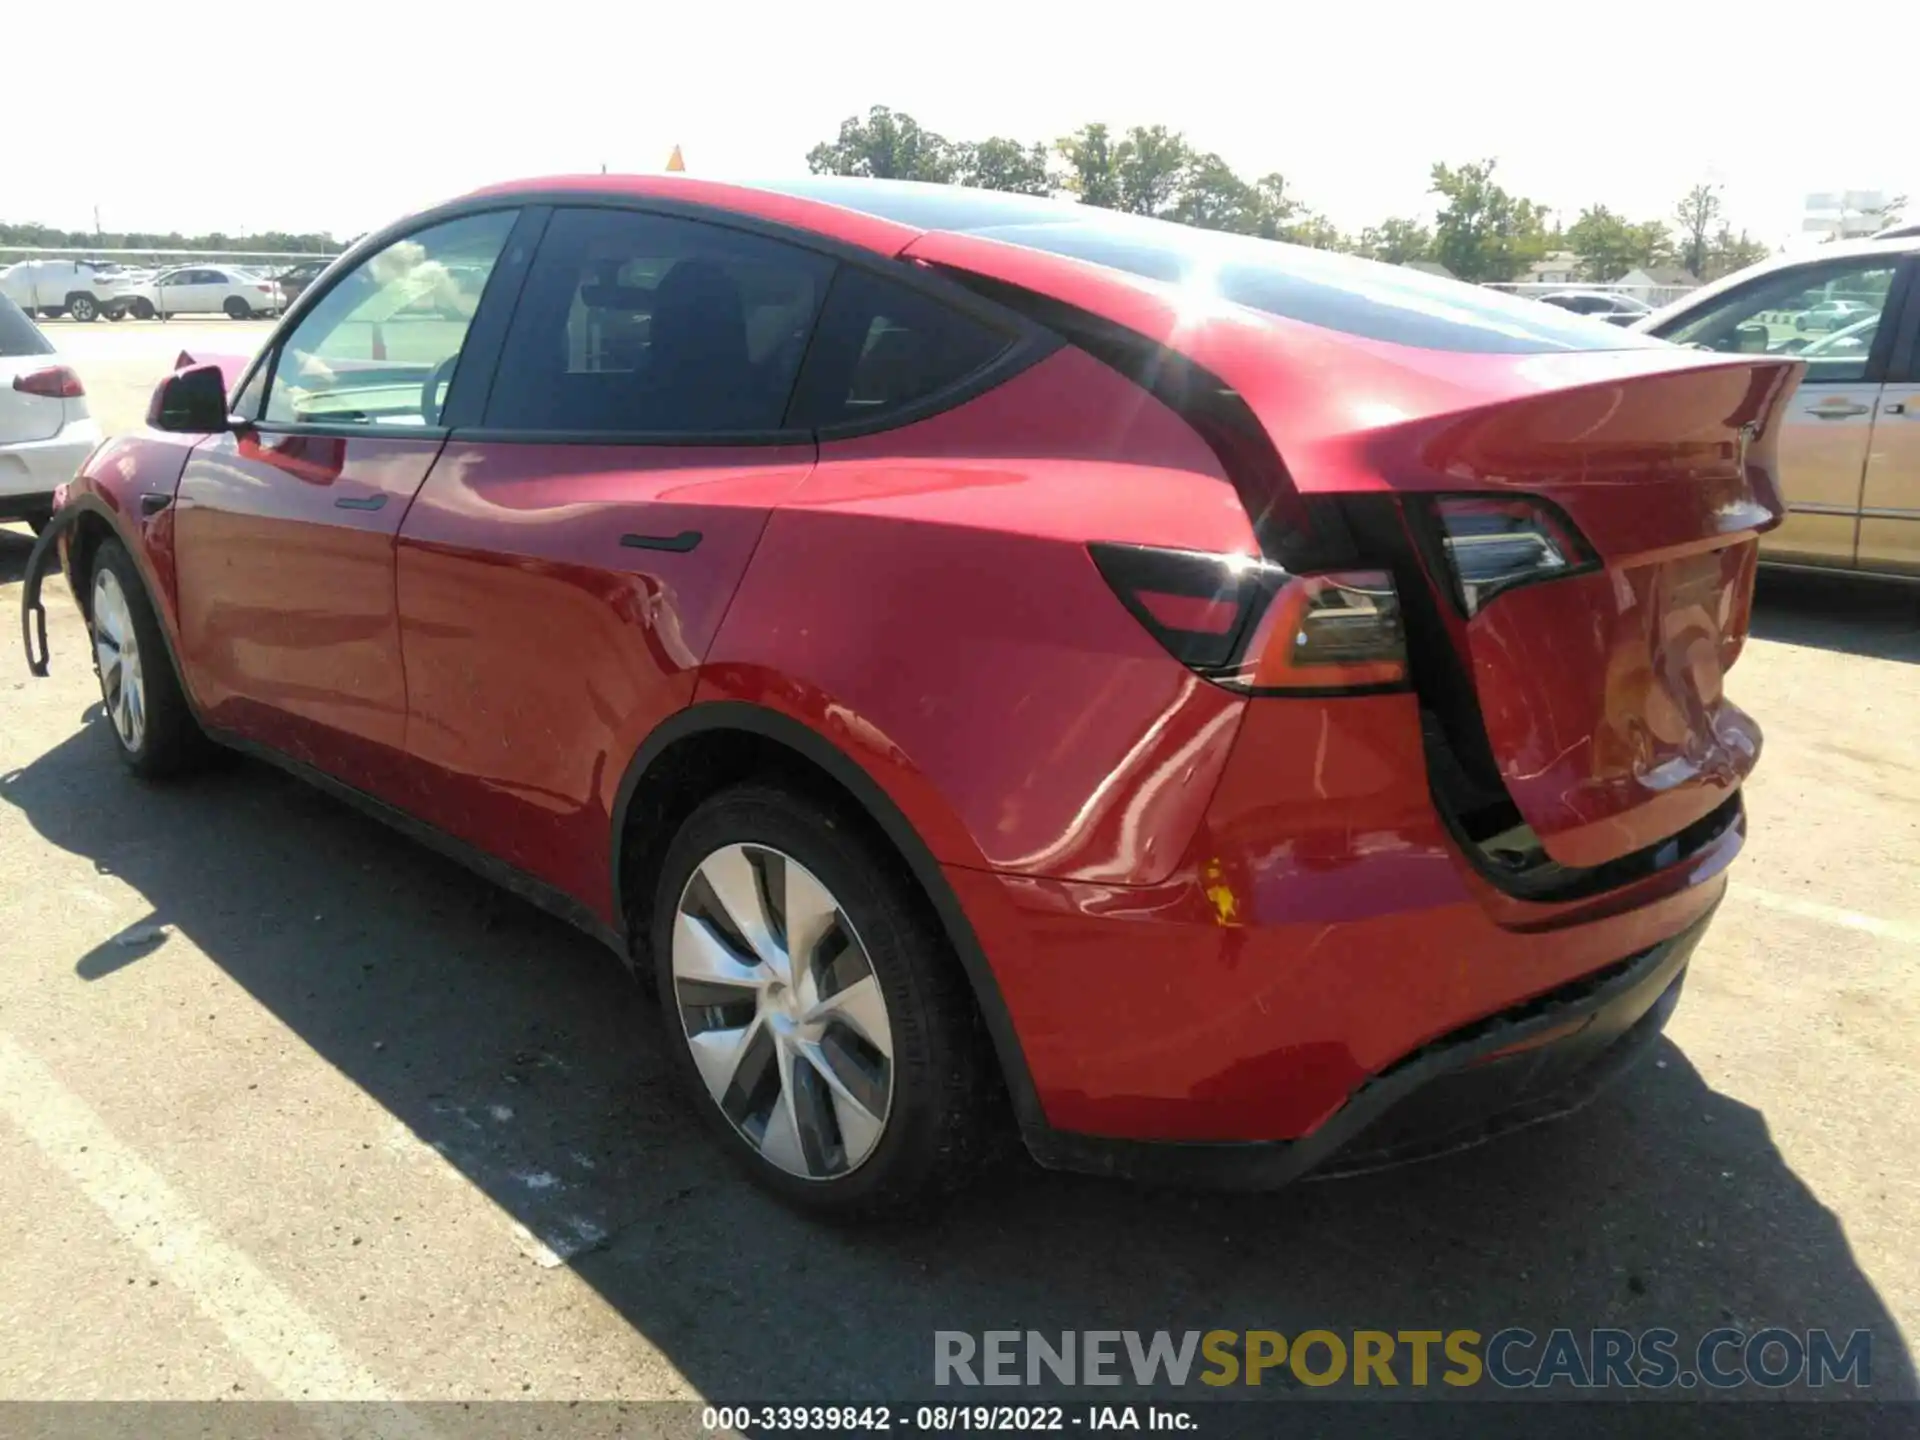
column 635, row 324
column 882, row 348
column 1340, row 292
column 19, row 335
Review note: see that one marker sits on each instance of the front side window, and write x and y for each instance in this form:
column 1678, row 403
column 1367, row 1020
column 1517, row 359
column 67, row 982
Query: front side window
column 1829, row 318
column 883, row 347
column 635, row 324
column 381, row 345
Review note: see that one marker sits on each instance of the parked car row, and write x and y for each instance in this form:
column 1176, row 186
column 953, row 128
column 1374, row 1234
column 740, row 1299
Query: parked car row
column 86, row 290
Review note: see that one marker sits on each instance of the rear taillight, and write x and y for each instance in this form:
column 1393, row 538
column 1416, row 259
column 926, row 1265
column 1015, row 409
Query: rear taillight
column 264, row 289
column 55, row 382
column 1493, row 544
column 1252, row 626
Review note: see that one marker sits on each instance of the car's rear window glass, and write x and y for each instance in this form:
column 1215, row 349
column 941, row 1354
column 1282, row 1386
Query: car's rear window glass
column 882, row 348
column 1340, row 292
column 19, row 335
column 635, row 324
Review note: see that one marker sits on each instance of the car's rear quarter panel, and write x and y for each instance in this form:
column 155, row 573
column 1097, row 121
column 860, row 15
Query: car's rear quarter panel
column 927, row 600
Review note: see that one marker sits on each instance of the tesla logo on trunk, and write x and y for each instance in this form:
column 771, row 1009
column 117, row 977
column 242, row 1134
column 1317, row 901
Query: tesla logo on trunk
column 1749, row 433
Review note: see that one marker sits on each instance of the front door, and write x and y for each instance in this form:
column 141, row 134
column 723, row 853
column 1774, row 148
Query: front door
column 284, row 528
column 1890, row 500
column 185, row 292
column 1828, row 315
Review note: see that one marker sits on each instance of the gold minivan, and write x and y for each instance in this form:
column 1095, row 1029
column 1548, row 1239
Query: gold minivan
column 1850, row 449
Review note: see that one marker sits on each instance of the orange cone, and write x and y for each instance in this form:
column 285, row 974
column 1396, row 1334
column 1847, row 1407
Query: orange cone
column 676, row 164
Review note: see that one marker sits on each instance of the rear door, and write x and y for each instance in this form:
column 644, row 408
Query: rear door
column 284, row 527
column 564, row 569
column 1830, row 420
column 1890, row 498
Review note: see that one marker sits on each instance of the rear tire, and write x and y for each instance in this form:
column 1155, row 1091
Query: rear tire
column 881, row 1104
column 237, row 309
column 153, row 729
column 81, row 307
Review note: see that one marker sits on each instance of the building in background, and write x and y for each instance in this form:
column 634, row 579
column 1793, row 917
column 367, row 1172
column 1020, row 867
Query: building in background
column 1556, row 267
column 1845, row 214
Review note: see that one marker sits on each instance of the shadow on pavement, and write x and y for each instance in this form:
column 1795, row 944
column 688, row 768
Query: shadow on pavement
column 16, row 544
column 1663, row 1204
column 1873, row 618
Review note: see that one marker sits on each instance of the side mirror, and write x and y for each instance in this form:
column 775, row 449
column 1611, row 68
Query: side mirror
column 191, row 401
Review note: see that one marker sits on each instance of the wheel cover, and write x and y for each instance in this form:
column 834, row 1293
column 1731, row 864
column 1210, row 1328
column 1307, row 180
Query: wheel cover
column 116, row 651
column 782, row 1011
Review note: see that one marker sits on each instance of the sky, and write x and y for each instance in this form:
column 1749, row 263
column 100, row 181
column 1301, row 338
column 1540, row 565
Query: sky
column 341, row 116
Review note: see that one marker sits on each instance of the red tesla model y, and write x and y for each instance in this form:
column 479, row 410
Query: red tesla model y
column 1225, row 709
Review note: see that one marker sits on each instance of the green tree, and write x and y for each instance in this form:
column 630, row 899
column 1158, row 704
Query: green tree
column 1214, row 198
column 1728, row 252
column 1001, row 164
column 1607, row 245
column 887, row 145
column 1091, row 166
column 1276, row 207
column 1395, row 240
column 1316, row 231
column 1482, row 232
column 1695, row 214
column 1652, row 244
column 1149, row 167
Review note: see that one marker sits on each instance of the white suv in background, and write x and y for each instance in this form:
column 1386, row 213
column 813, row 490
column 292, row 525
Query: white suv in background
column 45, row 430
column 83, row 289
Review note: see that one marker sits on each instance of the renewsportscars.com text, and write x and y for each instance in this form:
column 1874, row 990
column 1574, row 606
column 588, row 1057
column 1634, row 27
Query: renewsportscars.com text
column 1511, row 1358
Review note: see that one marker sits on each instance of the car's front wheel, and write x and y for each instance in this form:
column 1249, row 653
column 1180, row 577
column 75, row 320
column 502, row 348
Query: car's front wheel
column 815, row 1013
column 156, row 732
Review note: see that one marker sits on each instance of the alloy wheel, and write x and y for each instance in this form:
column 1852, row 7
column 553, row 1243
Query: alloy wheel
column 116, row 650
column 782, row 1011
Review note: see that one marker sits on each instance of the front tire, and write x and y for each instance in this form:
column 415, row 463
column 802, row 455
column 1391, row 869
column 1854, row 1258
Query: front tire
column 155, row 733
column 815, row 1014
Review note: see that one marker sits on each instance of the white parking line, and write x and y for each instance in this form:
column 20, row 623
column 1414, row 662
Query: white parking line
column 288, row 1347
column 1828, row 914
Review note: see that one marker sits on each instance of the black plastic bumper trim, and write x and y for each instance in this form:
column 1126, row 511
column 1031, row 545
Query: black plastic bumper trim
column 1625, row 1005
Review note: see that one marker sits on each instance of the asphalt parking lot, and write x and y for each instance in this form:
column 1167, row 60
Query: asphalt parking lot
column 290, row 1107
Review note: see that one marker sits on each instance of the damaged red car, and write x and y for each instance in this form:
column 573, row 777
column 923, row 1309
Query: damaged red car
column 1222, row 709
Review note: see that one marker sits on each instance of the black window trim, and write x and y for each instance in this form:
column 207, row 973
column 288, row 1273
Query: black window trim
column 1031, row 342
column 1811, row 273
